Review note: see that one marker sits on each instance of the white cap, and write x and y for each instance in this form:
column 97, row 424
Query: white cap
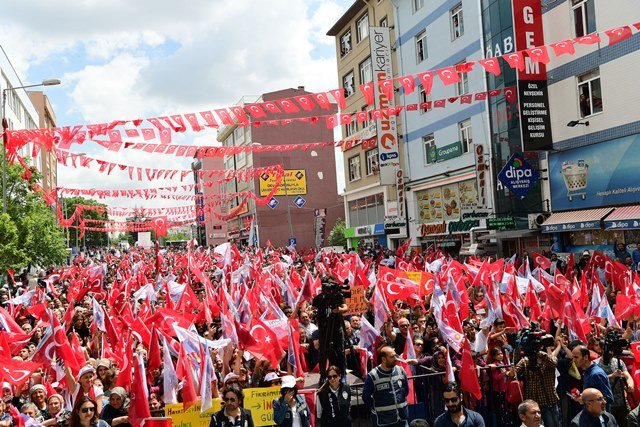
column 230, row 376
column 85, row 370
column 271, row 376
column 288, row 381
column 585, row 253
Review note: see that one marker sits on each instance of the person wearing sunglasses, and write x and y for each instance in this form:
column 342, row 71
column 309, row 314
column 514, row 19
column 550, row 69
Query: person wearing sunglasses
column 333, row 401
column 232, row 413
column 290, row 409
column 84, row 414
column 457, row 415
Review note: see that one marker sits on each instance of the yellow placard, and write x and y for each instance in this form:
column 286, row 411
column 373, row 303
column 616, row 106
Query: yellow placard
column 414, row 276
column 294, row 183
column 356, row 303
column 258, row 400
column 192, row 417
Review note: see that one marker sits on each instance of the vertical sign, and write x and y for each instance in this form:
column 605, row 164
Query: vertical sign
column 481, row 176
column 532, row 80
column 387, row 132
column 200, row 207
column 400, row 194
column 320, row 216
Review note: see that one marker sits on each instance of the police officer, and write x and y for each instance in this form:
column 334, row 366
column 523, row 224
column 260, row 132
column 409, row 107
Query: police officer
column 333, row 401
column 385, row 391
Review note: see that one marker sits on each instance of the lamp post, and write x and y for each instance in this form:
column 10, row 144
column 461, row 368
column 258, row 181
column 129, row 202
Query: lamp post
column 48, row 82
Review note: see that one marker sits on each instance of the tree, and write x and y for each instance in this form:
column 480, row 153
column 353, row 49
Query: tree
column 29, row 233
column 177, row 235
column 336, row 236
column 90, row 238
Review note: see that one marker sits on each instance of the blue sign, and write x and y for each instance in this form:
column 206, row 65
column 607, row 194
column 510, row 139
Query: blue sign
column 518, row 175
column 571, row 226
column 604, row 174
column 299, row 201
column 273, row 203
column 622, row 224
column 388, row 156
column 292, row 241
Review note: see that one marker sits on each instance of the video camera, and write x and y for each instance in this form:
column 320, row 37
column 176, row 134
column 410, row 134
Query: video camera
column 335, row 293
column 532, row 340
column 614, row 344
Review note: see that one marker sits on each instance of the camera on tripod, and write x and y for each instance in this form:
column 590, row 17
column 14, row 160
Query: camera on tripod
column 335, row 293
column 532, row 340
column 614, row 344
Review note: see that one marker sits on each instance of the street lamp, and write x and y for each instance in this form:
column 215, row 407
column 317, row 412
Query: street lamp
column 47, row 82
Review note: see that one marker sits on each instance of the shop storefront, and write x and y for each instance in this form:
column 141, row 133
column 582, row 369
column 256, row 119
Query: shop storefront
column 366, row 235
column 587, row 201
column 448, row 215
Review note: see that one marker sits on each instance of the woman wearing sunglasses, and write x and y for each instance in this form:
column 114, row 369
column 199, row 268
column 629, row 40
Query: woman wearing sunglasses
column 333, row 401
column 290, row 409
column 85, row 414
column 232, row 413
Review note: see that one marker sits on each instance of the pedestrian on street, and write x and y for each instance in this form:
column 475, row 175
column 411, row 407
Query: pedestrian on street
column 457, row 415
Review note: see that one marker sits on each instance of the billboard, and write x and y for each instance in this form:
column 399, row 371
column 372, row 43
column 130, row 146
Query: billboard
column 603, row 174
column 387, row 132
column 294, row 183
column 533, row 94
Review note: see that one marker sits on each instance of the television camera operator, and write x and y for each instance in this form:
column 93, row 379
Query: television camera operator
column 331, row 307
column 613, row 347
column 537, row 369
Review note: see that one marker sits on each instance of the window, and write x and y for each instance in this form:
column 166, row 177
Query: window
column 417, row 5
column 589, row 93
column 345, row 43
column 384, row 22
column 424, row 98
column 421, row 47
column 351, row 128
column 462, row 86
column 466, row 137
column 371, row 157
column 366, row 73
column 457, row 23
column 429, row 144
column 354, row 168
column 348, row 84
column 362, row 28
column 584, row 17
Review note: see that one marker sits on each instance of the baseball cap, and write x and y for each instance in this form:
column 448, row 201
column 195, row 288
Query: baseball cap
column 271, row 376
column 85, row 370
column 230, row 376
column 288, row 381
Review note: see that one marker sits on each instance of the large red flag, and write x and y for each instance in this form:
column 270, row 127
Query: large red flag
column 468, row 376
column 139, row 406
column 259, row 340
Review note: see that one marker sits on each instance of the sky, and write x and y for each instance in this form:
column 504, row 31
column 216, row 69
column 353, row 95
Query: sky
column 124, row 59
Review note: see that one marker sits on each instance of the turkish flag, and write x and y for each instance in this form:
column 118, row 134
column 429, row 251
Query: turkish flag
column 338, row 95
column 345, row 119
column 408, row 83
column 209, row 119
column 260, row 341
column 616, row 35
column 448, row 75
column 491, row 65
column 224, row 116
column 439, row 103
column 193, row 121
column 514, row 60
column 160, row 226
column 17, row 372
column 331, row 121
column 510, row 94
column 563, row 47
column 271, row 107
column 538, row 54
column 322, row 100
column 465, row 67
column 241, row 117
column 592, row 38
column 541, row 261
column 305, row 102
column 468, row 375
column 426, row 79
column 386, row 86
column 480, row 96
column 362, row 116
column 256, row 111
column 132, row 133
column 288, row 106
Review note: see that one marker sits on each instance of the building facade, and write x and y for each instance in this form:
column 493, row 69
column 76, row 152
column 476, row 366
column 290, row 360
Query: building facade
column 448, row 190
column 593, row 186
column 47, row 159
column 211, row 229
column 373, row 212
column 306, row 205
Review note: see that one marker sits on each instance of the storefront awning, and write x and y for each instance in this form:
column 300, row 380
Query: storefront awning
column 624, row 218
column 588, row 219
column 508, row 234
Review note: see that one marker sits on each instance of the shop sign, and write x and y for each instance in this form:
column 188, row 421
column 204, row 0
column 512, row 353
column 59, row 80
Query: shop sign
column 448, row 151
column 363, row 231
column 572, row 226
column 432, row 228
column 475, row 214
column 481, row 175
column 604, row 174
column 400, row 192
column 501, row 223
column 624, row 224
column 397, row 223
column 293, row 183
column 463, row 226
column 449, row 202
column 533, row 93
column 518, row 175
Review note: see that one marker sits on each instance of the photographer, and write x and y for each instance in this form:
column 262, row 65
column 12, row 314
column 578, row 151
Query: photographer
column 619, row 378
column 331, row 306
column 538, row 371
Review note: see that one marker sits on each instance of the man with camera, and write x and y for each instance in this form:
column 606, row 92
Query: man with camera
column 537, row 369
column 331, row 306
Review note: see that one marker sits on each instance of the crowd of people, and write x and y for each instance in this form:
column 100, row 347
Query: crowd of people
column 116, row 336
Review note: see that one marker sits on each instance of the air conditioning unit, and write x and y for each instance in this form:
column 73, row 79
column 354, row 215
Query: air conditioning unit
column 536, row 220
